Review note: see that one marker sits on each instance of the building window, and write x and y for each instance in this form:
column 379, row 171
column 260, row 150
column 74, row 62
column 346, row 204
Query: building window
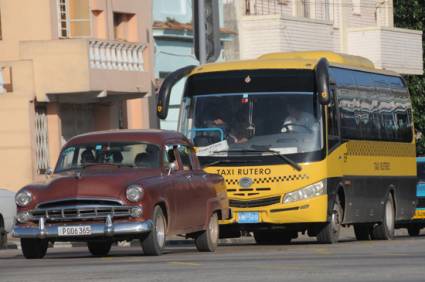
column 74, row 18
column 125, row 27
column 326, row 10
column 41, row 137
column 356, row 7
column 303, row 8
column 6, row 84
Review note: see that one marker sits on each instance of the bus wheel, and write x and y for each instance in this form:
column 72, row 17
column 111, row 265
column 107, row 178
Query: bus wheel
column 270, row 237
column 414, row 230
column 362, row 231
column 385, row 229
column 330, row 232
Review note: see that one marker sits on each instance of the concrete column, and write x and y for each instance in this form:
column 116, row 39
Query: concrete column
column 54, row 126
column 344, row 20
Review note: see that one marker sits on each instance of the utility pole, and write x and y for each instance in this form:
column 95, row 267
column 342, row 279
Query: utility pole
column 206, row 30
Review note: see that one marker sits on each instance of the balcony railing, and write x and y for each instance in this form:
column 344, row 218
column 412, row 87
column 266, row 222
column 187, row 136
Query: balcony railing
column 265, row 7
column 113, row 55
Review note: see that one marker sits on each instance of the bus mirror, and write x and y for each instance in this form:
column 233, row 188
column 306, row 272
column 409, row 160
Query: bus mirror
column 322, row 81
column 165, row 90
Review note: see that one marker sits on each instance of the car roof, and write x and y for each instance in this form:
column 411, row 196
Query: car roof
column 154, row 136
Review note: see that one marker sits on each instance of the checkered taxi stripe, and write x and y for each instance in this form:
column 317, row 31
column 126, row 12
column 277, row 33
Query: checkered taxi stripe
column 273, row 179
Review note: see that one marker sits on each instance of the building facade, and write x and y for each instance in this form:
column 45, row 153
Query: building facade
column 69, row 67
column 357, row 27
column 173, row 34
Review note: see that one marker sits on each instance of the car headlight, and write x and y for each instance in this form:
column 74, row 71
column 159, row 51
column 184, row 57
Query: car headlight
column 313, row 190
column 23, row 217
column 23, row 198
column 134, row 193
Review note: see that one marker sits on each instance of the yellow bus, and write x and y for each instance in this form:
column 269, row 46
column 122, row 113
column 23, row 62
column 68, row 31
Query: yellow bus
column 306, row 141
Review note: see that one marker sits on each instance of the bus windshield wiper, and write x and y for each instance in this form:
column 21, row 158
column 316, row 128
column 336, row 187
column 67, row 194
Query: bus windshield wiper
column 225, row 162
column 273, row 152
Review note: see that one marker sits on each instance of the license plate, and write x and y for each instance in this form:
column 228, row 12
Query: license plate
column 78, row 230
column 248, row 217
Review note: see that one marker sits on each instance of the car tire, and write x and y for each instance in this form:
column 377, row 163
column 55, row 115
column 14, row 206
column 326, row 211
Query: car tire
column 329, row 234
column 3, row 234
column 34, row 248
column 414, row 230
column 153, row 244
column 362, row 231
column 207, row 240
column 272, row 237
column 385, row 229
column 99, row 248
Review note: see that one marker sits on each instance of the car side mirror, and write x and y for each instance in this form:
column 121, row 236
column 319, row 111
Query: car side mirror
column 172, row 167
column 49, row 172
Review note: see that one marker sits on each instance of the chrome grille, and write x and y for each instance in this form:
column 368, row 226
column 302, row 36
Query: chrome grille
column 79, row 202
column 83, row 212
column 254, row 203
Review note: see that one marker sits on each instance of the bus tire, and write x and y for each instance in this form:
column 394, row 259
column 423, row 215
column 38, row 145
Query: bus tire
column 362, row 231
column 272, row 237
column 153, row 244
column 207, row 240
column 385, row 229
column 414, row 230
column 330, row 232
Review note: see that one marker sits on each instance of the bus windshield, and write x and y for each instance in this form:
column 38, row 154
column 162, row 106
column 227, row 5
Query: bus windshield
column 283, row 122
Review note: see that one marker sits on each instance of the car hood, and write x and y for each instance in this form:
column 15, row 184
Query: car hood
column 90, row 183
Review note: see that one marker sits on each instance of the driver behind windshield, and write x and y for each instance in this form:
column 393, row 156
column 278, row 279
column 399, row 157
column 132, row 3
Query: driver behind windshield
column 298, row 121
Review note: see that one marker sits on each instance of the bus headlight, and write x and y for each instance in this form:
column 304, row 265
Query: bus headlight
column 313, row 190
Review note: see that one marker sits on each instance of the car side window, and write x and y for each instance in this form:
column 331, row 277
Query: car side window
column 169, row 156
column 185, row 156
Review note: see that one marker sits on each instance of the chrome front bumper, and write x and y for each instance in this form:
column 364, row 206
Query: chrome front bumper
column 107, row 229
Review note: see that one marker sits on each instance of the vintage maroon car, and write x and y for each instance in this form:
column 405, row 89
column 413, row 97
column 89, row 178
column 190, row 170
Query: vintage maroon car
column 122, row 185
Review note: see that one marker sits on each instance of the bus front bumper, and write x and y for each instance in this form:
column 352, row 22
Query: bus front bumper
column 312, row 210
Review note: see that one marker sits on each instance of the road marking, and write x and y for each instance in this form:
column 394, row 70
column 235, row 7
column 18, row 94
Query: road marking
column 184, row 263
column 323, row 251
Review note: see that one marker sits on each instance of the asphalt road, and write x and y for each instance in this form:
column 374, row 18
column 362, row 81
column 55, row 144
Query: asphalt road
column 402, row 259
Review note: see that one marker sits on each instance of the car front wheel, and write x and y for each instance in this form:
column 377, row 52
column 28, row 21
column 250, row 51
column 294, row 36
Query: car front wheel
column 99, row 248
column 3, row 235
column 34, row 248
column 207, row 240
column 154, row 243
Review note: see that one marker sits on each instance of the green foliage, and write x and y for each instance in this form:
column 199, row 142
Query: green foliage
column 411, row 14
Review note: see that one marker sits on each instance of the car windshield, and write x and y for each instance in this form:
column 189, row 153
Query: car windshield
column 283, row 122
column 141, row 155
